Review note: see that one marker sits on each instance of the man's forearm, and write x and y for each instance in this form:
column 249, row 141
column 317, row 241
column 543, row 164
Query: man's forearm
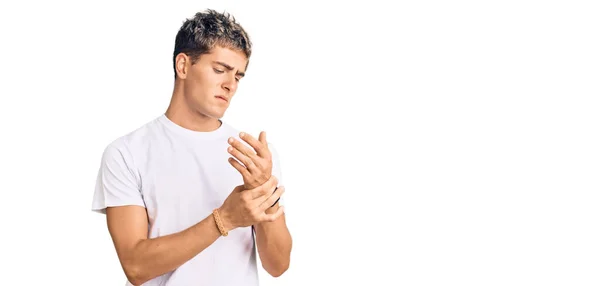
column 274, row 244
column 151, row 258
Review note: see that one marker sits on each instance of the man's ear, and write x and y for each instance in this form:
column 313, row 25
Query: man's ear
column 182, row 62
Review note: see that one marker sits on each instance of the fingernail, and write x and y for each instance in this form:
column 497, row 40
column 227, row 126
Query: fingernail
column 242, row 134
column 230, row 140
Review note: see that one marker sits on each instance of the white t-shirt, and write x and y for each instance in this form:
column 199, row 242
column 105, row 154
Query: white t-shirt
column 180, row 176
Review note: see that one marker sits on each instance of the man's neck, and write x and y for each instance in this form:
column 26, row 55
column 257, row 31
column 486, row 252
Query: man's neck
column 179, row 113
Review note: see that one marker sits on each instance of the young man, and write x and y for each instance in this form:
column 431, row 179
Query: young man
column 180, row 210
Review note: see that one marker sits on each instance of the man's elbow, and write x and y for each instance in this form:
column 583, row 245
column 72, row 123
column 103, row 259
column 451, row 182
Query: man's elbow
column 134, row 275
column 278, row 270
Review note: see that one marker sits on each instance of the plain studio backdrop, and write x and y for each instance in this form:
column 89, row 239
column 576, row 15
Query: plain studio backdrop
column 422, row 142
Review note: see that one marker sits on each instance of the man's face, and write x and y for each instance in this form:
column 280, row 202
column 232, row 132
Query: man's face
column 213, row 80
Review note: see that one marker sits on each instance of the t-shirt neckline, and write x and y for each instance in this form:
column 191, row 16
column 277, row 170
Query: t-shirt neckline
column 220, row 132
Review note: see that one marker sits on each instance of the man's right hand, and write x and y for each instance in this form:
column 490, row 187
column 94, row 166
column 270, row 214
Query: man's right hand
column 247, row 207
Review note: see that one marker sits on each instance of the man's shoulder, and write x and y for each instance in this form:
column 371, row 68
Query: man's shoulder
column 135, row 138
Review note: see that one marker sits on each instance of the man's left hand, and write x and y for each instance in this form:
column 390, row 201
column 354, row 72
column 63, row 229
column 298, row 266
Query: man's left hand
column 257, row 164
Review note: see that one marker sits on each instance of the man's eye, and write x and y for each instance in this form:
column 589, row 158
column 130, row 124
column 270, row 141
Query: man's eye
column 237, row 79
column 219, row 71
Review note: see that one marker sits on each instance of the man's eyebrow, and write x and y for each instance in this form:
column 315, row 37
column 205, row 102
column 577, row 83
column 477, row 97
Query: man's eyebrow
column 228, row 67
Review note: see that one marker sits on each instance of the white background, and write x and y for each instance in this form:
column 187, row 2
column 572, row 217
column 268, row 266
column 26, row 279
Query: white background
column 430, row 143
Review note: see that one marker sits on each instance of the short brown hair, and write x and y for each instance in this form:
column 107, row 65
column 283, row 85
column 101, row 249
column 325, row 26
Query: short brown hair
column 198, row 35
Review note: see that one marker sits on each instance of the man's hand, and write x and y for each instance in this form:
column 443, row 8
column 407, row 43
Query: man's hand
column 257, row 164
column 273, row 240
column 246, row 207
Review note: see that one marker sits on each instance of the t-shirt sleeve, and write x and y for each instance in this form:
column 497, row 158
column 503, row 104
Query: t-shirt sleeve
column 118, row 183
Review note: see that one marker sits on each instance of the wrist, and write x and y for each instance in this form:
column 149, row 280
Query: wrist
column 225, row 218
column 266, row 224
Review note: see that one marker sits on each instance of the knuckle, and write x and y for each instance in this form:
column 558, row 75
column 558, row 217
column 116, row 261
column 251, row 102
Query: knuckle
column 264, row 190
column 245, row 197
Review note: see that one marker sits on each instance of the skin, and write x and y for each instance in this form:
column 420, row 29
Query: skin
column 195, row 105
column 256, row 170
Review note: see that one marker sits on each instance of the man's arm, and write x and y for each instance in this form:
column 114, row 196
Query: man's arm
column 273, row 239
column 274, row 244
column 143, row 259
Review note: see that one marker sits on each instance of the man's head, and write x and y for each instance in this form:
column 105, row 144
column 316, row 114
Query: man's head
column 211, row 55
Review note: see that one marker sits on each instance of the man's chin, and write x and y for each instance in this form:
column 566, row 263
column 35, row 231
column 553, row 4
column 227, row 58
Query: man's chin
column 212, row 113
column 215, row 113
column 219, row 115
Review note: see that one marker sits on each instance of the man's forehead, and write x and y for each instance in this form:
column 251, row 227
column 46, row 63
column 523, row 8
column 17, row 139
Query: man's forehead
column 231, row 57
column 231, row 67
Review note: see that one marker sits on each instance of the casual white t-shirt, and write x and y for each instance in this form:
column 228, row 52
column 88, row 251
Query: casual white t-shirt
column 180, row 176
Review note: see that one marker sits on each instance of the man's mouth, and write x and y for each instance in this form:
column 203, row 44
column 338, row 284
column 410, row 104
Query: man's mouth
column 222, row 97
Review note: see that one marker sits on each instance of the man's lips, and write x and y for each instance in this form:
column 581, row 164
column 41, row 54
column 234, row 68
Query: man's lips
column 222, row 97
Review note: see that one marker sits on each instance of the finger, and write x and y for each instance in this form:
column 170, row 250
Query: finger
column 248, row 163
column 241, row 147
column 259, row 146
column 276, row 201
column 238, row 166
column 262, row 137
column 270, row 200
column 274, row 216
column 265, row 189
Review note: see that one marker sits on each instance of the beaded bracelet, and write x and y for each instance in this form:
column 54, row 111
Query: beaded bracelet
column 219, row 222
